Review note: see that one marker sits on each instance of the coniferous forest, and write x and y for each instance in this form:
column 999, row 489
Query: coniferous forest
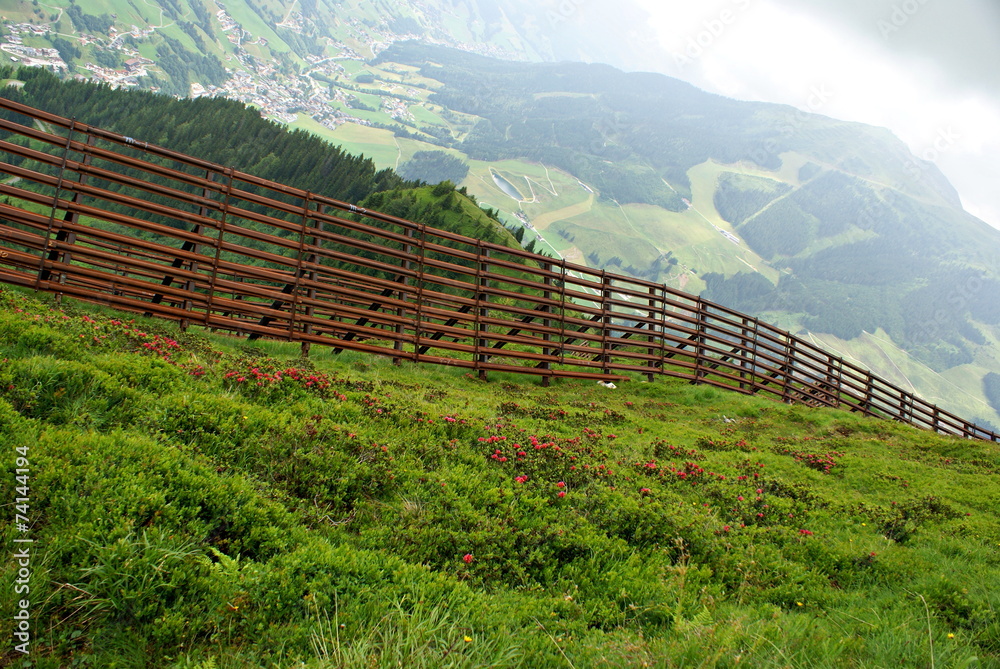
column 217, row 130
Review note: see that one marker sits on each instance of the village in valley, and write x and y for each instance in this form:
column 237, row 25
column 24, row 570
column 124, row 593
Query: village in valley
column 13, row 45
column 322, row 88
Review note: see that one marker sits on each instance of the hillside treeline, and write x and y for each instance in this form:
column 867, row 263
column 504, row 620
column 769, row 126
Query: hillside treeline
column 434, row 167
column 218, row 130
column 740, row 196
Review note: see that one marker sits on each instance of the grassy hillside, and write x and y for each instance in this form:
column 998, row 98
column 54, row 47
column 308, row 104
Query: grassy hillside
column 202, row 501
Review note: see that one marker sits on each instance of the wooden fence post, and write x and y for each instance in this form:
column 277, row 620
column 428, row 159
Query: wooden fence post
column 869, row 388
column 419, row 313
column 43, row 273
column 789, row 368
column 651, row 337
column 546, row 322
column 71, row 217
column 296, row 299
column 835, row 379
column 311, row 293
column 407, row 265
column 745, row 349
column 192, row 266
column 605, row 322
column 562, row 314
column 482, row 311
column 700, row 328
column 905, row 407
column 210, row 307
column 663, row 329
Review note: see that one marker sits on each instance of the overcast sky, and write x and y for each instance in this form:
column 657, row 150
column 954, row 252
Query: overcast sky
column 929, row 70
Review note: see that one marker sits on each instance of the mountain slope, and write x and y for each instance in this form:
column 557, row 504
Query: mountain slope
column 204, row 501
column 855, row 225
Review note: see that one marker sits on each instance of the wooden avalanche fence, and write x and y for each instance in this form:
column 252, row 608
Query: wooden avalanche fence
column 109, row 219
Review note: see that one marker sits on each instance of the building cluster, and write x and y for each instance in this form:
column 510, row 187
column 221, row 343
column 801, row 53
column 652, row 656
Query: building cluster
column 13, row 44
column 118, row 38
column 116, row 78
column 34, row 56
column 397, row 109
column 226, row 22
column 294, row 22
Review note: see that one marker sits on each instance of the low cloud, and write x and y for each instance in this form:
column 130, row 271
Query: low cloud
column 921, row 68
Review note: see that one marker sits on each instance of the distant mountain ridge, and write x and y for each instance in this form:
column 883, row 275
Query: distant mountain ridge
column 854, row 221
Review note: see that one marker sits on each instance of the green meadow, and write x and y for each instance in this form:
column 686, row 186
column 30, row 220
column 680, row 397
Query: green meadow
column 198, row 500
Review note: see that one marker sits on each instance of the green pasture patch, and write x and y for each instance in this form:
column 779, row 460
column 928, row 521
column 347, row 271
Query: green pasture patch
column 426, row 116
column 374, row 143
column 250, row 20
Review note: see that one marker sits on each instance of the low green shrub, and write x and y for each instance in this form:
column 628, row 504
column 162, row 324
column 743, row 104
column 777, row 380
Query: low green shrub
column 197, row 502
